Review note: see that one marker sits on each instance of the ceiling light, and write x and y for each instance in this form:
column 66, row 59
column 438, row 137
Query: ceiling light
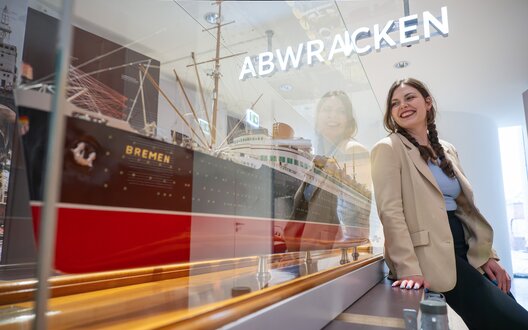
column 212, row 18
column 285, row 87
column 401, row 64
column 325, row 32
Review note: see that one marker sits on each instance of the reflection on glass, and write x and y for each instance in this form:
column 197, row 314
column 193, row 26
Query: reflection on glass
column 169, row 157
column 149, row 178
column 334, row 198
column 7, row 126
column 17, row 245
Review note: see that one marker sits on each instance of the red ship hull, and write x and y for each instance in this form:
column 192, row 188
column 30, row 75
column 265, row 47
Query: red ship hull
column 118, row 238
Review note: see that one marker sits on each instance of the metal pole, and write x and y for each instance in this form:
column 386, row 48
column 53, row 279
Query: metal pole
column 52, row 181
column 406, row 10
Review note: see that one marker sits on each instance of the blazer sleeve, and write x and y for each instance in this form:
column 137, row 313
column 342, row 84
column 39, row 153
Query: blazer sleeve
column 454, row 153
column 386, row 177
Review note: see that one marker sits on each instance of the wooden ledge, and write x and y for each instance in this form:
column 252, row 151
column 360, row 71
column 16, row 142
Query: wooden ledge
column 62, row 285
column 163, row 304
column 215, row 315
column 12, row 292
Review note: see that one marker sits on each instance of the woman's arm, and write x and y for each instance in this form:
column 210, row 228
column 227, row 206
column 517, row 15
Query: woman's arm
column 386, row 177
column 497, row 274
column 492, row 267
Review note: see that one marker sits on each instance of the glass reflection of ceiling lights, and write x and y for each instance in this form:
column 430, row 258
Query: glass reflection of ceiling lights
column 212, row 18
column 286, row 87
column 401, row 64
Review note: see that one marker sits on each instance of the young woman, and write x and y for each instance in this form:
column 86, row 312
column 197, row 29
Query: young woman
column 435, row 237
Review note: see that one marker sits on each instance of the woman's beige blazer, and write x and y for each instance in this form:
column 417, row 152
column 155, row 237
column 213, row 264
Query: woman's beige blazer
column 418, row 240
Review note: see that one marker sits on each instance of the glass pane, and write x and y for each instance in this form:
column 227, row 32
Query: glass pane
column 222, row 149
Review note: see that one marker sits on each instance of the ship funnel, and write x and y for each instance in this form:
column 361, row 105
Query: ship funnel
column 282, row 131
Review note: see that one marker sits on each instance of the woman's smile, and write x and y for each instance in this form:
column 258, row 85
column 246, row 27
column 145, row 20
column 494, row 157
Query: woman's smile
column 407, row 113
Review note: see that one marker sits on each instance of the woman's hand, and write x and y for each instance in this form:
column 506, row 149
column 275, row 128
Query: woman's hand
column 496, row 273
column 411, row 282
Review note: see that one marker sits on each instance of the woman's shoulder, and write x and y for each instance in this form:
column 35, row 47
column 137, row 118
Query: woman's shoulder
column 388, row 147
column 448, row 146
column 391, row 140
column 354, row 146
column 387, row 152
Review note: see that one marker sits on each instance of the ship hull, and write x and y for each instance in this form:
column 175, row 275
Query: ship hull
column 100, row 239
column 143, row 202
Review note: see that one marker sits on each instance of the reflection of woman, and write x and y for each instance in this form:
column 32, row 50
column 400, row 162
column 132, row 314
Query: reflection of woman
column 339, row 156
column 434, row 234
column 336, row 127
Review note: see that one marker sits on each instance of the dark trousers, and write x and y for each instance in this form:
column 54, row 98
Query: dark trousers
column 479, row 302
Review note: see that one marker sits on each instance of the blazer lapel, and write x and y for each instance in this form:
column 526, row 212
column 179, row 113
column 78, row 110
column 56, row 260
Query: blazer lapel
column 419, row 163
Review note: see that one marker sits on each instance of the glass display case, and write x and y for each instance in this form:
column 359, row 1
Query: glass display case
column 212, row 151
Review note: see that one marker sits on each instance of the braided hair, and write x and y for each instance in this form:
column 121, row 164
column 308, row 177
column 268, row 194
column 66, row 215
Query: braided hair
column 426, row 153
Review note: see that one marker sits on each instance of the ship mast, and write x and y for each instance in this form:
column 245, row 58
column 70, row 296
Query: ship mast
column 216, row 71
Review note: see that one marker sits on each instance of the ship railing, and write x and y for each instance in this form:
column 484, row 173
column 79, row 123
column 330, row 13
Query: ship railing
column 340, row 183
column 40, row 87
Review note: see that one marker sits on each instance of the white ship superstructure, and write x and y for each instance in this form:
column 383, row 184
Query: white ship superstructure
column 293, row 157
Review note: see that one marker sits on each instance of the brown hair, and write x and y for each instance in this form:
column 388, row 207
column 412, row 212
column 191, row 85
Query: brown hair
column 432, row 134
column 347, row 104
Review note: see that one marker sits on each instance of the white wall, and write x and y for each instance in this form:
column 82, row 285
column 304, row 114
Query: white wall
column 476, row 139
column 525, row 123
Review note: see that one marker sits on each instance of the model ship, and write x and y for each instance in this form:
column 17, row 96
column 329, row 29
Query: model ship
column 130, row 199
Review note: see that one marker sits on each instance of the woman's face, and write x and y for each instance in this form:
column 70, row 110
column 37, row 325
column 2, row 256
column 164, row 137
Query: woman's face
column 331, row 119
column 409, row 108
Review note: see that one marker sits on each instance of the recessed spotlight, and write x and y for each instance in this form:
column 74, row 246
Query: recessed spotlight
column 212, row 18
column 401, row 64
column 325, row 32
column 286, row 87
